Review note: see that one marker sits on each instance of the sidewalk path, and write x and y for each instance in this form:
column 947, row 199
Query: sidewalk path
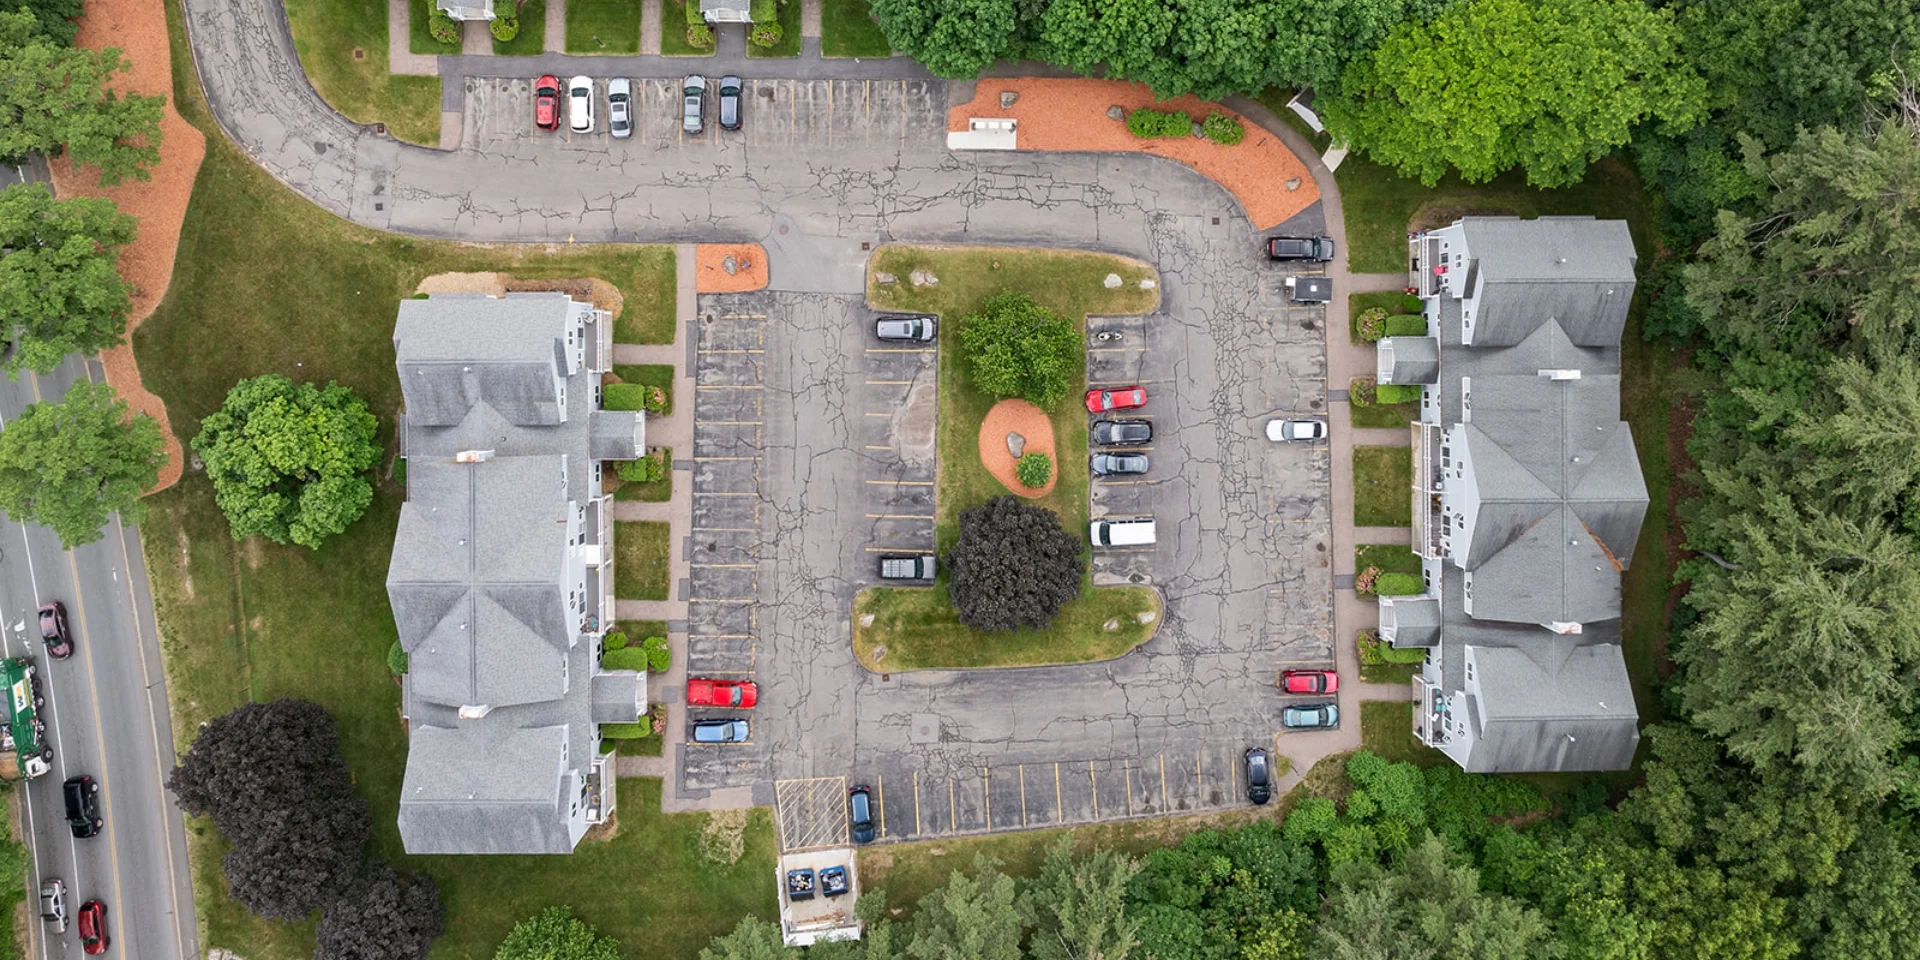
column 400, row 57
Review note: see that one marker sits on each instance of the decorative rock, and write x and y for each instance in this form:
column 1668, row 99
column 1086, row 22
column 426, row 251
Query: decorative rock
column 879, row 653
column 879, row 277
column 1145, row 618
column 867, row 620
column 1198, row 134
column 1111, row 625
column 1016, row 444
column 730, row 265
column 922, row 278
column 1007, row 97
column 196, row 464
column 1293, row 183
column 1116, row 112
column 1147, row 284
column 1113, row 281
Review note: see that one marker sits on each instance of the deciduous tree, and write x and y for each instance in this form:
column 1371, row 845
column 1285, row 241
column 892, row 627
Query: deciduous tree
column 752, row 939
column 952, row 38
column 54, row 96
column 1013, row 566
column 555, row 934
column 1018, row 348
column 67, row 465
column 60, row 290
column 288, row 461
column 53, row 19
column 381, row 917
column 1425, row 907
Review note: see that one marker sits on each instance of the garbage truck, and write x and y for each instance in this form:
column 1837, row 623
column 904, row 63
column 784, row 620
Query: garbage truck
column 23, row 741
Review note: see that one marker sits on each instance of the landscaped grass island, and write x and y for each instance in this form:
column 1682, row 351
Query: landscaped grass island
column 916, row 627
column 342, row 45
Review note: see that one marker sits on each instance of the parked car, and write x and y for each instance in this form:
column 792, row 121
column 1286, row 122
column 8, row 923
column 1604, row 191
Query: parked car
column 910, row 329
column 719, row 731
column 53, row 904
column 1115, row 432
column 1259, row 776
column 1311, row 715
column 580, row 104
column 694, row 103
column 1108, row 464
column 1309, row 289
column 1309, row 681
column 93, row 928
column 860, row 813
column 1316, row 249
column 722, row 693
column 546, row 102
column 620, row 107
column 1125, row 398
column 729, row 103
column 83, row 806
column 53, row 630
column 908, row 566
column 1284, row 431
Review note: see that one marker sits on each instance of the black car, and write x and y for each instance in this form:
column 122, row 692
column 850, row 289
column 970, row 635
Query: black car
column 1259, row 776
column 729, row 103
column 860, row 813
column 1113, row 432
column 53, row 630
column 83, row 807
column 1314, row 249
column 1108, row 464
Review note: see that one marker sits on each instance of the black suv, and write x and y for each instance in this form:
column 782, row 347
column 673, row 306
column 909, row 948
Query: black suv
column 83, row 807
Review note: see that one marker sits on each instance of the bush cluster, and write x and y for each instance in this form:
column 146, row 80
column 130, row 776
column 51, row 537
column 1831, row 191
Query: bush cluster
column 1148, row 123
column 397, row 659
column 1223, row 128
column 659, row 657
column 1034, row 470
column 1365, row 580
column 1361, row 392
column 614, row 641
column 649, row 469
column 504, row 28
column 765, row 34
column 623, row 396
column 443, row 28
column 699, row 35
column 1371, row 324
column 1374, row 651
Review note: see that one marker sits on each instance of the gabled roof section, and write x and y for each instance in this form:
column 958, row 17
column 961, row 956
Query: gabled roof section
column 1410, row 621
column 617, row 434
column 618, row 696
column 1574, row 270
column 455, row 351
column 485, row 789
column 1408, row 360
column 1551, row 706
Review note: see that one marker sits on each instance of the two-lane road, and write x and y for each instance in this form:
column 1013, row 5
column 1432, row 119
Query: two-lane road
column 106, row 715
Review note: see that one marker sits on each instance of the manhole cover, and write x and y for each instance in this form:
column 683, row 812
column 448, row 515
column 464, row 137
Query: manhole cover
column 783, row 230
column 359, row 53
column 925, row 729
column 378, row 207
column 380, row 128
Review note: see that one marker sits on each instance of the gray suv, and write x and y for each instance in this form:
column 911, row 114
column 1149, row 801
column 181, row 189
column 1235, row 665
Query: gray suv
column 720, row 731
column 912, row 329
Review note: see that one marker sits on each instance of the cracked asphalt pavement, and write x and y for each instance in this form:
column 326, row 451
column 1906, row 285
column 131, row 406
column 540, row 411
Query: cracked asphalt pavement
column 783, row 437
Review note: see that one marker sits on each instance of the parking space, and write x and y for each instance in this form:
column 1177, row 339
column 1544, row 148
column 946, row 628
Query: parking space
column 895, row 384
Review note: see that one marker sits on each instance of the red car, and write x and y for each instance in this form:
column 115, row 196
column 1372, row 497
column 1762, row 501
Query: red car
column 1309, row 681
column 1100, row 401
column 722, row 693
column 93, row 928
column 546, row 102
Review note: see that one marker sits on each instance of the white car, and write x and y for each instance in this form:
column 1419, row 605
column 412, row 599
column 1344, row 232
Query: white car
column 1296, row 430
column 580, row 104
column 620, row 107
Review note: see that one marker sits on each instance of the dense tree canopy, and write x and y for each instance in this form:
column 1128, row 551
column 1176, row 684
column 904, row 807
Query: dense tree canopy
column 288, row 461
column 60, row 290
column 556, row 934
column 1018, row 348
column 1013, row 566
column 67, row 465
column 54, row 97
column 952, row 38
column 381, row 916
column 53, row 19
column 1548, row 86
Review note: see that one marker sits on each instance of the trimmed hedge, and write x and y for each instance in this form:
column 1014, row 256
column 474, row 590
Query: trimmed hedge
column 659, row 657
column 442, row 28
column 625, row 658
column 397, row 659
column 623, row 396
column 614, row 641
column 1392, row 393
column 504, row 28
column 627, row 731
column 1412, row 304
column 1223, row 129
column 1400, row 585
column 1406, row 325
column 1151, row 124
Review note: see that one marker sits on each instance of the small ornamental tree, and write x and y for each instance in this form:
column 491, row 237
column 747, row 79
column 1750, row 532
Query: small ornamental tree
column 289, row 461
column 381, row 917
column 67, row 465
column 555, row 934
column 1034, row 470
column 1013, row 566
column 1018, row 348
column 60, row 290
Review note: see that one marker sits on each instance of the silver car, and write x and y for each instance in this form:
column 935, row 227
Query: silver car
column 693, row 110
column 909, row 329
column 620, row 107
column 720, row 731
column 53, row 904
column 1109, row 464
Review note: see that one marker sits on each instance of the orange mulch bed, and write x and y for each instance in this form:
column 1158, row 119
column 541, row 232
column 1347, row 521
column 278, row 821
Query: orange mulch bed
column 710, row 272
column 1027, row 420
column 139, row 27
column 1071, row 114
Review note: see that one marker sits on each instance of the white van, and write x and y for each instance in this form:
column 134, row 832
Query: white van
column 1122, row 532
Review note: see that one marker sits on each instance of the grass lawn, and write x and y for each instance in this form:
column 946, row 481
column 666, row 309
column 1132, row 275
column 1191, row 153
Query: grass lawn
column 673, row 32
column 601, row 27
column 649, row 375
column 1386, row 728
column 847, row 30
column 648, row 491
column 1382, row 486
column 917, row 627
column 641, row 550
column 1392, row 301
column 789, row 45
column 1380, row 206
column 1382, row 416
column 327, row 32
column 531, row 41
column 1389, row 557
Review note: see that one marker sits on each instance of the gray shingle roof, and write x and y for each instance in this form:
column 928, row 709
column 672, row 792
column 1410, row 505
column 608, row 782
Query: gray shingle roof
column 487, row 788
column 458, row 350
column 1556, row 705
column 618, row 435
column 1576, row 270
column 1413, row 621
column 1408, row 360
column 618, row 697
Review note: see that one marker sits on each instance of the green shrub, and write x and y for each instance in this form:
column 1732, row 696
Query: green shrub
column 646, row 469
column 659, row 657
column 443, row 28
column 656, row 400
column 627, row 731
column 1372, row 324
column 766, row 34
column 1391, row 393
column 614, row 641
column 1393, row 654
column 1018, row 348
column 397, row 659
column 1365, row 581
column 1373, row 651
column 699, row 35
column 1401, row 585
column 625, row 658
column 1223, row 129
column 1412, row 304
column 1034, row 470
column 623, row 396
column 1361, row 392
column 504, row 28
column 1406, row 325
column 1150, row 124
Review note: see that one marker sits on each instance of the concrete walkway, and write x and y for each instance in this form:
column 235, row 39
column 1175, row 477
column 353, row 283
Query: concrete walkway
column 400, row 57
column 650, row 27
column 556, row 38
column 476, row 39
column 810, row 19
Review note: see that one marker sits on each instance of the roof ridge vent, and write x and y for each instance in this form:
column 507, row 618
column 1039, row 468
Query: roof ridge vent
column 1562, row 374
column 473, row 456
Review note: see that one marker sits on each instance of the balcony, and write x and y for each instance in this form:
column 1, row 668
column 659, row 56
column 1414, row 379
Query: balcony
column 1428, row 480
column 1423, row 257
column 595, row 794
column 1429, row 713
column 599, row 336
